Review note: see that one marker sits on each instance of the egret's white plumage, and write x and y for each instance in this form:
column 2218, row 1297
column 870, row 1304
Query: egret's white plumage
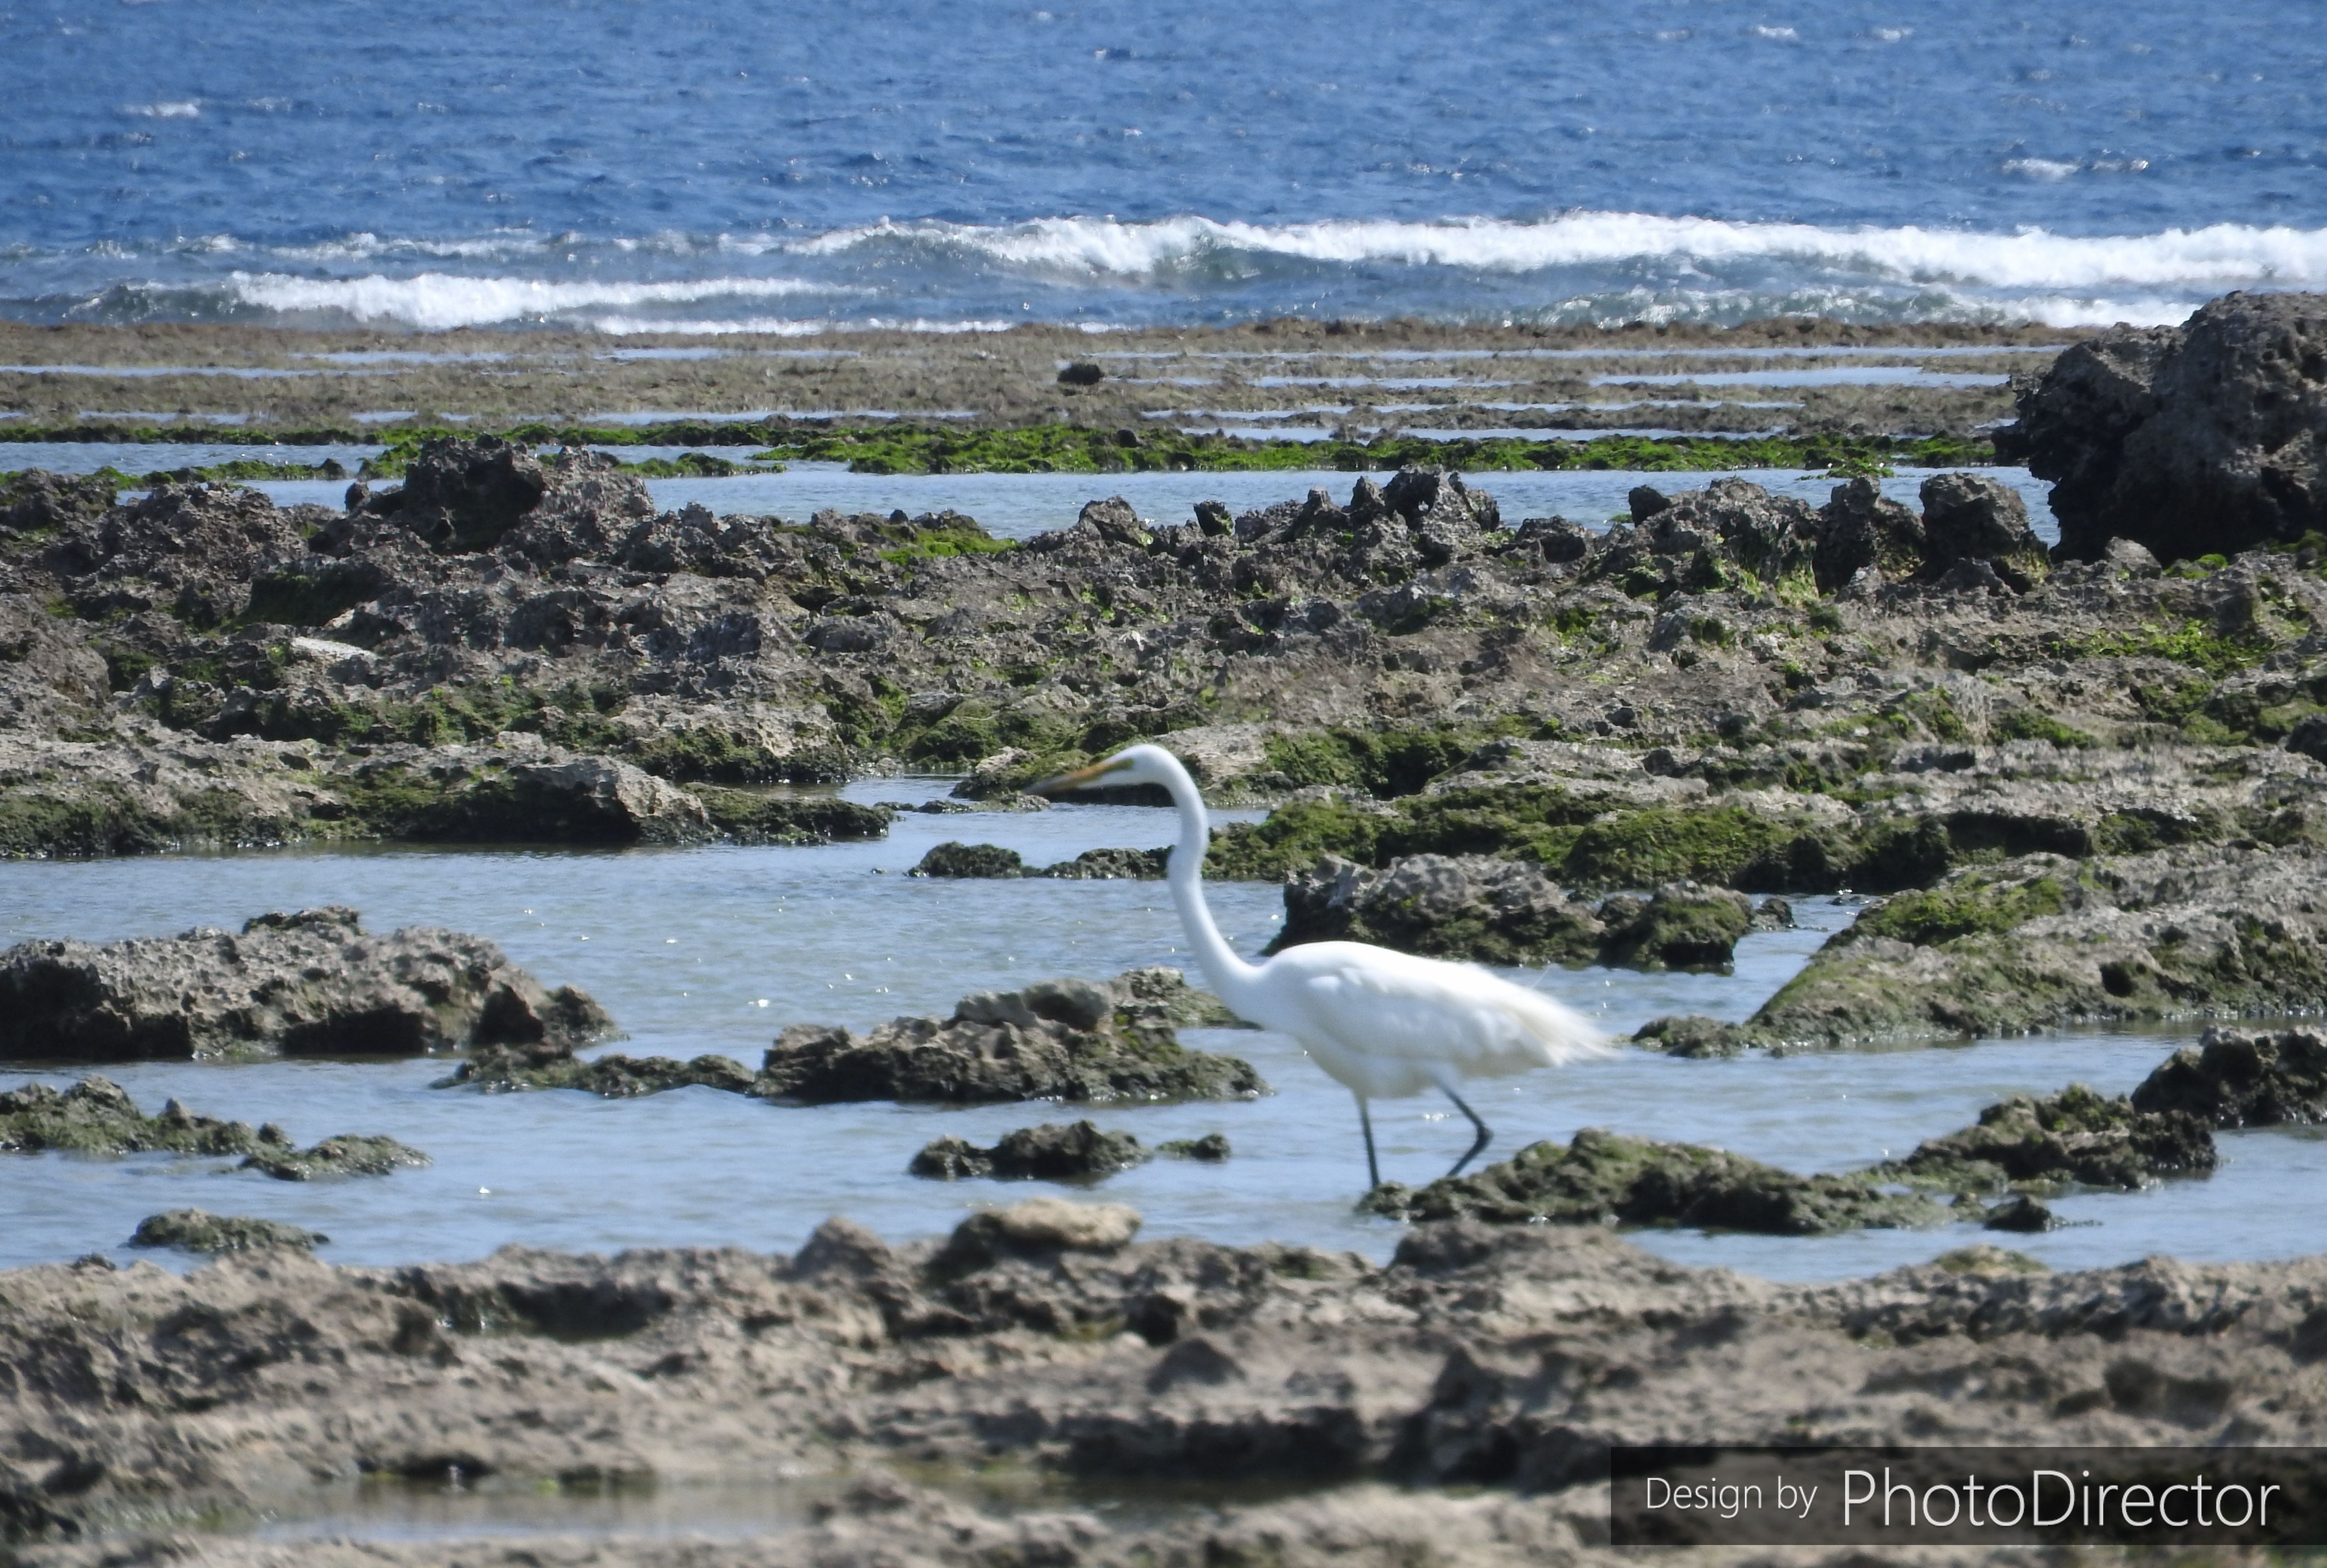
column 1385, row 1023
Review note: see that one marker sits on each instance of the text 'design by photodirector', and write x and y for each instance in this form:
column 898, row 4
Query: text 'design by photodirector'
column 1965, row 1497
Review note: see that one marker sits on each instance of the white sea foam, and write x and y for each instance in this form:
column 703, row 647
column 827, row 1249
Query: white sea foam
column 2222, row 255
column 437, row 301
column 177, row 109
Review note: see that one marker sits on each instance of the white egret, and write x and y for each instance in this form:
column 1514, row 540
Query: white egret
column 1385, row 1024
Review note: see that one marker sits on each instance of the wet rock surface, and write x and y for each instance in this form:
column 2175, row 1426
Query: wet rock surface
column 2076, row 1137
column 1497, row 911
column 1601, row 1178
column 311, row 982
column 1498, row 1360
column 956, row 860
column 2041, row 942
column 351, row 1154
column 1066, row 1040
column 197, row 1230
column 1050, row 1153
column 97, row 1116
column 502, row 1068
column 2209, row 437
column 2242, row 1078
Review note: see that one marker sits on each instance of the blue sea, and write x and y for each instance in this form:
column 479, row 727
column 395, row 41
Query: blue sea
column 716, row 166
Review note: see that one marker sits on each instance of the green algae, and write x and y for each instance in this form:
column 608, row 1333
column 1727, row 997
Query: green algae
column 197, row 1230
column 1602, row 1178
column 1969, row 907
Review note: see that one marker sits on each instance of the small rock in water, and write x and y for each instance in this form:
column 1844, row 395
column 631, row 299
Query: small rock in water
column 1212, row 1148
column 1050, row 1153
column 956, row 859
column 354, row 1156
column 2023, row 1213
column 2234, row 1079
column 196, row 1231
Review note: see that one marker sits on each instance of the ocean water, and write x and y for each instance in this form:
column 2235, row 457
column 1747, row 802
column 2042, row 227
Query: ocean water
column 717, row 949
column 715, row 166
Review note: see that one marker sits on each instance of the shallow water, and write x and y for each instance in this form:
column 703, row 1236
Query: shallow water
column 716, row 950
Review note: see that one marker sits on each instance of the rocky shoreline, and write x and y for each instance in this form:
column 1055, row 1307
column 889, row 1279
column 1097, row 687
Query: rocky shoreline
column 1043, row 1340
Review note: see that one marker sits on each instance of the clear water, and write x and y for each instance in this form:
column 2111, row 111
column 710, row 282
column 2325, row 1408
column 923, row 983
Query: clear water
column 700, row 169
column 716, row 950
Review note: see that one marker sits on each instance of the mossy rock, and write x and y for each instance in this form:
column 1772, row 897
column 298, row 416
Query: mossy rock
column 1604, row 1178
column 2076, row 1137
column 196, row 1231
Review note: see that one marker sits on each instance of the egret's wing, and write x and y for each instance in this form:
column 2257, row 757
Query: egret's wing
column 1374, row 1003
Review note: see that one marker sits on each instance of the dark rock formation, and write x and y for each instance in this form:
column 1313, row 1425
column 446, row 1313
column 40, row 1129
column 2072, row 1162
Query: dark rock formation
column 1050, row 1153
column 2023, row 1214
column 1066, row 1040
column 2208, row 438
column 956, row 859
column 1211, row 1149
column 312, row 982
column 1971, row 517
column 196, row 1231
column 2074, row 1137
column 1494, row 910
column 1859, row 527
column 1604, row 1178
column 2233, row 1079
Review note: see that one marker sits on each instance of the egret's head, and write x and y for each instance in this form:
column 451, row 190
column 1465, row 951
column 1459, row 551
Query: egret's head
column 1131, row 766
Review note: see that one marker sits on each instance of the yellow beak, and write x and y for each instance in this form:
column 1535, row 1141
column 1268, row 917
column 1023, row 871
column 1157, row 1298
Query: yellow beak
column 1080, row 779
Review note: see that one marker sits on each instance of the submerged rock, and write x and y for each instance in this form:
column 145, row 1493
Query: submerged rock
column 499, row 1069
column 954, row 859
column 1050, row 1153
column 1066, row 1040
column 351, row 1154
column 1211, row 1149
column 2023, row 1214
column 314, row 982
column 196, row 1231
column 1604, row 1178
column 2231, row 1078
column 2074, row 1137
column 1494, row 910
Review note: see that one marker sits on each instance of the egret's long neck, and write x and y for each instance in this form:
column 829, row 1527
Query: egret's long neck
column 1233, row 979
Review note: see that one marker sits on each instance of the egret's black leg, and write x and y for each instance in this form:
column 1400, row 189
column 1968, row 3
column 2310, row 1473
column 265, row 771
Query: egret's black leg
column 1365, row 1120
column 1486, row 1135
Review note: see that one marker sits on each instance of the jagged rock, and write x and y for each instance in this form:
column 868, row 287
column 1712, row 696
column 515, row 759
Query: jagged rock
column 196, row 1231
column 2076, row 1136
column 1038, row 1228
column 350, row 1154
column 1681, row 925
column 1861, row 529
column 2208, row 437
column 37, row 501
column 97, row 1116
column 1066, row 1040
column 1050, row 1153
column 48, row 674
column 314, row 982
column 2233, row 1079
column 1603, row 1179
column 1111, row 865
column 1971, row 517
column 571, row 800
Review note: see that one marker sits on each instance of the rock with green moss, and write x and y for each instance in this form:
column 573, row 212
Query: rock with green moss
column 2042, row 943
column 197, row 1230
column 1602, row 1178
column 97, row 1116
column 503, row 1069
column 310, row 982
column 2243, row 1079
column 1209, row 1150
column 1681, row 925
column 2074, row 1138
column 956, row 860
column 749, row 816
column 350, row 1154
column 1064, row 1040
column 1050, row 1153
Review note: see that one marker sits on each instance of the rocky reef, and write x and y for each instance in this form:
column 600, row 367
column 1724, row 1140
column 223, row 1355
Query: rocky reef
column 1498, row 910
column 1066, row 1040
column 1050, row 1153
column 1455, row 1402
column 97, row 1116
column 1063, row 1040
column 310, row 982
